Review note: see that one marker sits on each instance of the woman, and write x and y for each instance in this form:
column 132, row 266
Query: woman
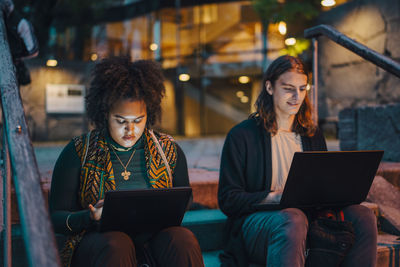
column 123, row 102
column 255, row 162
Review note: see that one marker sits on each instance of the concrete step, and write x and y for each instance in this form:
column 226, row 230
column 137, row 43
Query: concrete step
column 388, row 253
column 209, row 228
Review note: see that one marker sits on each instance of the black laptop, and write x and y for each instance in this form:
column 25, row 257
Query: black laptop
column 144, row 210
column 328, row 179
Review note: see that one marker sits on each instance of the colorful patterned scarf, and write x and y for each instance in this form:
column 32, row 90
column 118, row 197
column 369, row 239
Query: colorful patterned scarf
column 97, row 175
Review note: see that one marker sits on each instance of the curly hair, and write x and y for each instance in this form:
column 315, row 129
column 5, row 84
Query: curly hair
column 303, row 123
column 118, row 78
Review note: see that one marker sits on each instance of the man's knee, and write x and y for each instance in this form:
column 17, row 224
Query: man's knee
column 292, row 223
column 361, row 217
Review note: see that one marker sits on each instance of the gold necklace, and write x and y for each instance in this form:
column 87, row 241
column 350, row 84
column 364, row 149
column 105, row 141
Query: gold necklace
column 125, row 174
column 121, row 149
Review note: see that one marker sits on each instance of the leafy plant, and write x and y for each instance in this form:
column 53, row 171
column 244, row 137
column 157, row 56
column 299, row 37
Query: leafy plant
column 273, row 11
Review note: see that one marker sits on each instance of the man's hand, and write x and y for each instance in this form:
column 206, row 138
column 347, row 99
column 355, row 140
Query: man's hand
column 273, row 197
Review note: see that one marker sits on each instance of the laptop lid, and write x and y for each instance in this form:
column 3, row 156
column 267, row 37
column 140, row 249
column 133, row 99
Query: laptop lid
column 144, row 210
column 328, row 179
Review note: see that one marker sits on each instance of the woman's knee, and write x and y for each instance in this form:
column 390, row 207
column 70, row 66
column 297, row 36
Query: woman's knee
column 105, row 249
column 178, row 236
column 118, row 243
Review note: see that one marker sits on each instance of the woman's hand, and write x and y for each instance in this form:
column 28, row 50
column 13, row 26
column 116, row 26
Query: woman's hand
column 96, row 210
column 273, row 197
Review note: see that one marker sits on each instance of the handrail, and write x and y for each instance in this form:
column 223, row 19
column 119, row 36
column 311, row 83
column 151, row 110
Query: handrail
column 41, row 248
column 378, row 59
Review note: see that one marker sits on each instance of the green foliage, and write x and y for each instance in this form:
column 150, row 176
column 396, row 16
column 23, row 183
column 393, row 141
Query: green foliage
column 272, row 11
column 296, row 49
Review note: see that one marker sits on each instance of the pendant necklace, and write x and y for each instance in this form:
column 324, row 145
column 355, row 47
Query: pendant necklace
column 125, row 174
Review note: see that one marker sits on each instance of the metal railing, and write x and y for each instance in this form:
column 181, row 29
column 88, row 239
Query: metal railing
column 19, row 163
column 363, row 51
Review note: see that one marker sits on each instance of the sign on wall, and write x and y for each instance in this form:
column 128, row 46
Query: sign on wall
column 65, row 98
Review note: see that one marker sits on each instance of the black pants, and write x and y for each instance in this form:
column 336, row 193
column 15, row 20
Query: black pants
column 174, row 246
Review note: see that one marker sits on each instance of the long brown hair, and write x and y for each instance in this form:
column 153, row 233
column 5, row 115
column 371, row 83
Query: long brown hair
column 303, row 123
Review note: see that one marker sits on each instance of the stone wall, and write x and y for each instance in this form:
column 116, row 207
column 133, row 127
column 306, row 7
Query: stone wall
column 371, row 128
column 43, row 126
column 346, row 80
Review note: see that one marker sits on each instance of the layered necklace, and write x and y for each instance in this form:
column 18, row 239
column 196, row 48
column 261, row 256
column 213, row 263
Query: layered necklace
column 125, row 174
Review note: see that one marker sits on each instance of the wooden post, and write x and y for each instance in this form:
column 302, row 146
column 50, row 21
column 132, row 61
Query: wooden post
column 37, row 230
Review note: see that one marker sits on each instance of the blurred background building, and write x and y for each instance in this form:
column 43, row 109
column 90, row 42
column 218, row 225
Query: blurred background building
column 213, row 54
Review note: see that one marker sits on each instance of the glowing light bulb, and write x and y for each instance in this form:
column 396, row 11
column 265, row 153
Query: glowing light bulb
column 244, row 79
column 184, row 77
column 244, row 99
column 240, row 94
column 328, row 3
column 51, row 63
column 94, row 57
column 153, row 47
column 282, row 28
column 290, row 41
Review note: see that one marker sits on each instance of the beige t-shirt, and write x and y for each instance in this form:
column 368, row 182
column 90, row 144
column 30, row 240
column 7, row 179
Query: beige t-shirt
column 283, row 146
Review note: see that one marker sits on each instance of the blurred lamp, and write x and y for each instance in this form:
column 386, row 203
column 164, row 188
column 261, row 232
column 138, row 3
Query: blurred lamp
column 244, row 99
column 94, row 57
column 328, row 3
column 240, row 94
column 153, row 47
column 184, row 77
column 244, row 79
column 290, row 41
column 51, row 63
column 282, row 28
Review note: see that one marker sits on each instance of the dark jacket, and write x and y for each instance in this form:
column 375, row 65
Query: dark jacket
column 245, row 178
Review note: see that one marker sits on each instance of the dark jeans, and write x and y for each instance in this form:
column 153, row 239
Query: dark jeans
column 278, row 238
column 174, row 246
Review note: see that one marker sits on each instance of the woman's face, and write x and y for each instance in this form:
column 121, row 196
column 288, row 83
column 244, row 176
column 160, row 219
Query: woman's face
column 126, row 121
column 288, row 93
